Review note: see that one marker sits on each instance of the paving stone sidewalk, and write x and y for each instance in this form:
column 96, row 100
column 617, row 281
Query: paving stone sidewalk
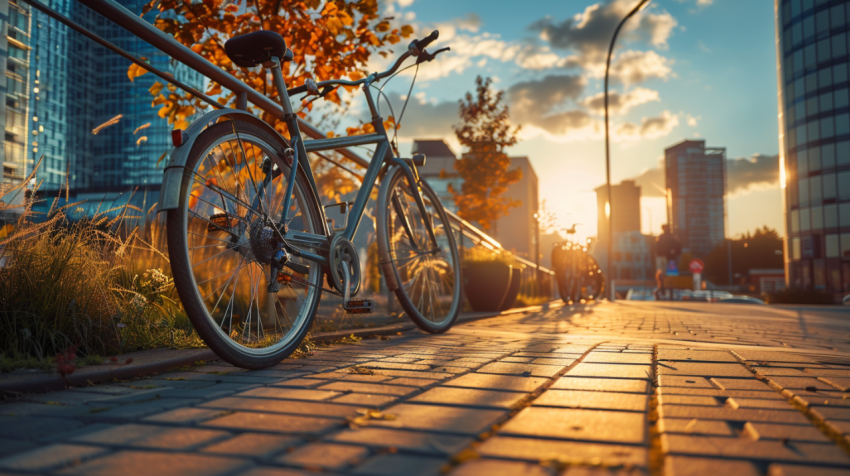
column 603, row 390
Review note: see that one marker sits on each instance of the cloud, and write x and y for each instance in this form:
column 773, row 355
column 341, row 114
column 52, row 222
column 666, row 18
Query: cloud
column 632, row 67
column 758, row 171
column 651, row 182
column 649, row 127
column 619, row 103
column 589, row 33
column 742, row 175
column 471, row 22
column 700, row 3
column 540, row 103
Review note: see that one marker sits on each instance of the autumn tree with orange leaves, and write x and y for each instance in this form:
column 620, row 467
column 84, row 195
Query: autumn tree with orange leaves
column 485, row 129
column 329, row 40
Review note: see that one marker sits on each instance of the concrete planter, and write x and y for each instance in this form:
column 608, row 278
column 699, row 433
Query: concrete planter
column 486, row 284
column 513, row 289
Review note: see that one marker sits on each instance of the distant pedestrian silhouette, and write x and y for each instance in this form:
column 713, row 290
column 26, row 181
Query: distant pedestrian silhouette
column 667, row 251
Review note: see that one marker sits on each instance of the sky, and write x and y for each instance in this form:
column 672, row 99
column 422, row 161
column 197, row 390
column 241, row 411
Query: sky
column 682, row 69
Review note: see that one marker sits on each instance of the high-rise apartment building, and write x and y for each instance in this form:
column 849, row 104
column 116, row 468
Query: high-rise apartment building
column 814, row 141
column 14, row 89
column 633, row 254
column 696, row 185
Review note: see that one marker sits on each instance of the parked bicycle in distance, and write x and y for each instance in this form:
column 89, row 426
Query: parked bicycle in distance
column 248, row 238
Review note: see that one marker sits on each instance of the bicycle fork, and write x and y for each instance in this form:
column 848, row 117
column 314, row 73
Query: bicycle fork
column 413, row 183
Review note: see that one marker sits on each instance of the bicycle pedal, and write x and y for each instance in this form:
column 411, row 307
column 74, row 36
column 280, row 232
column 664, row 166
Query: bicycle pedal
column 358, row 306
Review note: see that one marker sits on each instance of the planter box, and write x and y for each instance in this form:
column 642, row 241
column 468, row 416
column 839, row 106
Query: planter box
column 513, row 289
column 486, row 284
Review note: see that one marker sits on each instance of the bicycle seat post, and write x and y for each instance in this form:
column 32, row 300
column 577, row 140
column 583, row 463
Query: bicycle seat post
column 277, row 74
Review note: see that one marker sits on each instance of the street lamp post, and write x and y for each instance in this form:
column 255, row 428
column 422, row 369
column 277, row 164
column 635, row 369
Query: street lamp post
column 610, row 208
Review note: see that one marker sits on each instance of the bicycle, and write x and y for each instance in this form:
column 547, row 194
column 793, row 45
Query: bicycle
column 250, row 243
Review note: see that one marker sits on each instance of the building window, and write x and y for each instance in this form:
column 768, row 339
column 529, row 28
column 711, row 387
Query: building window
column 833, row 248
column 829, row 192
column 844, row 186
column 795, row 248
column 845, row 245
column 842, row 153
column 795, row 221
column 830, row 216
column 817, row 218
column 842, row 126
column 815, row 191
column 825, row 100
column 805, row 219
column 803, row 185
column 827, row 130
column 819, row 269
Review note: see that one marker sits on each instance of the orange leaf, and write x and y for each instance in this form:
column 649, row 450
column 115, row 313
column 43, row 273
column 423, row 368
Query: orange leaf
column 134, row 71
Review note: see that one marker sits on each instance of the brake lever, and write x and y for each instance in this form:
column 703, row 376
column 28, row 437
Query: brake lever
column 424, row 56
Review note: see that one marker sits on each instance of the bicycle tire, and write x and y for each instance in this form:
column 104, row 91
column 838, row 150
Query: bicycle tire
column 395, row 264
column 219, row 339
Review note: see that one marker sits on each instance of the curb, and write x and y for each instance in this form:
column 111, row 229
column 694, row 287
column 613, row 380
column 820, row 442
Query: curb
column 53, row 382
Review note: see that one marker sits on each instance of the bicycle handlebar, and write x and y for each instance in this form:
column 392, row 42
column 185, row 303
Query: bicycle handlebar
column 416, row 48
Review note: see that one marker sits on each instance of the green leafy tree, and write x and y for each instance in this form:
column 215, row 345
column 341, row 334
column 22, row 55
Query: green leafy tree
column 485, row 129
column 760, row 249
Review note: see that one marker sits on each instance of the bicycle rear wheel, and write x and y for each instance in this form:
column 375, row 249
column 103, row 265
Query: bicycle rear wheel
column 222, row 240
column 428, row 278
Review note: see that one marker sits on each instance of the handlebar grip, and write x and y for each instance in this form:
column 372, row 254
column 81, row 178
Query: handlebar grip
column 298, row 90
column 417, row 46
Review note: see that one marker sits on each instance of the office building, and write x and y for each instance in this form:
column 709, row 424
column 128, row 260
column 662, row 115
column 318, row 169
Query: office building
column 696, row 184
column 518, row 230
column 633, row 253
column 814, row 141
column 626, row 216
column 14, row 90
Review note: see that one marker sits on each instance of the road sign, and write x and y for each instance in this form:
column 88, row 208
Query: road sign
column 697, row 266
column 672, row 269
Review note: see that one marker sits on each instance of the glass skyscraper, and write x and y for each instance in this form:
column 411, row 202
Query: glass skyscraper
column 814, row 122
column 14, row 90
column 90, row 121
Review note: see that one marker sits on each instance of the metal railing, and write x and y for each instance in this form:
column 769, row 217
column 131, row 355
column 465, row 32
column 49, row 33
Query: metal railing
column 245, row 94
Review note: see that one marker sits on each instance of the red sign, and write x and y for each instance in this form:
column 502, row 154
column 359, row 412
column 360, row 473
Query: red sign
column 697, row 266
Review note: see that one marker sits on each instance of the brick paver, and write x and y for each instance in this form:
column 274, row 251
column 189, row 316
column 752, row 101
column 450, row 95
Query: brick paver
column 626, row 388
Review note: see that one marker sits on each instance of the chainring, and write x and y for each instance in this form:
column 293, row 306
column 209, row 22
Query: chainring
column 342, row 250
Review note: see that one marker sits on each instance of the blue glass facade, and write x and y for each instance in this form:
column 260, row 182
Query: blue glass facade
column 814, row 112
column 92, row 121
column 14, row 89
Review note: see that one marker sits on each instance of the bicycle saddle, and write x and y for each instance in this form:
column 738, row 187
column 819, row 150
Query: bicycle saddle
column 255, row 48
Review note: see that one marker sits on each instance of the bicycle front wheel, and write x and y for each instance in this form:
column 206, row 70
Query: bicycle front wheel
column 427, row 276
column 222, row 239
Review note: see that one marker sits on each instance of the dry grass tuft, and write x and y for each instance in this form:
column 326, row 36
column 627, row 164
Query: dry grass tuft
column 90, row 283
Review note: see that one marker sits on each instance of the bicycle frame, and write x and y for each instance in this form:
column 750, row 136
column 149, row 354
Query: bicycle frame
column 173, row 185
column 378, row 162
